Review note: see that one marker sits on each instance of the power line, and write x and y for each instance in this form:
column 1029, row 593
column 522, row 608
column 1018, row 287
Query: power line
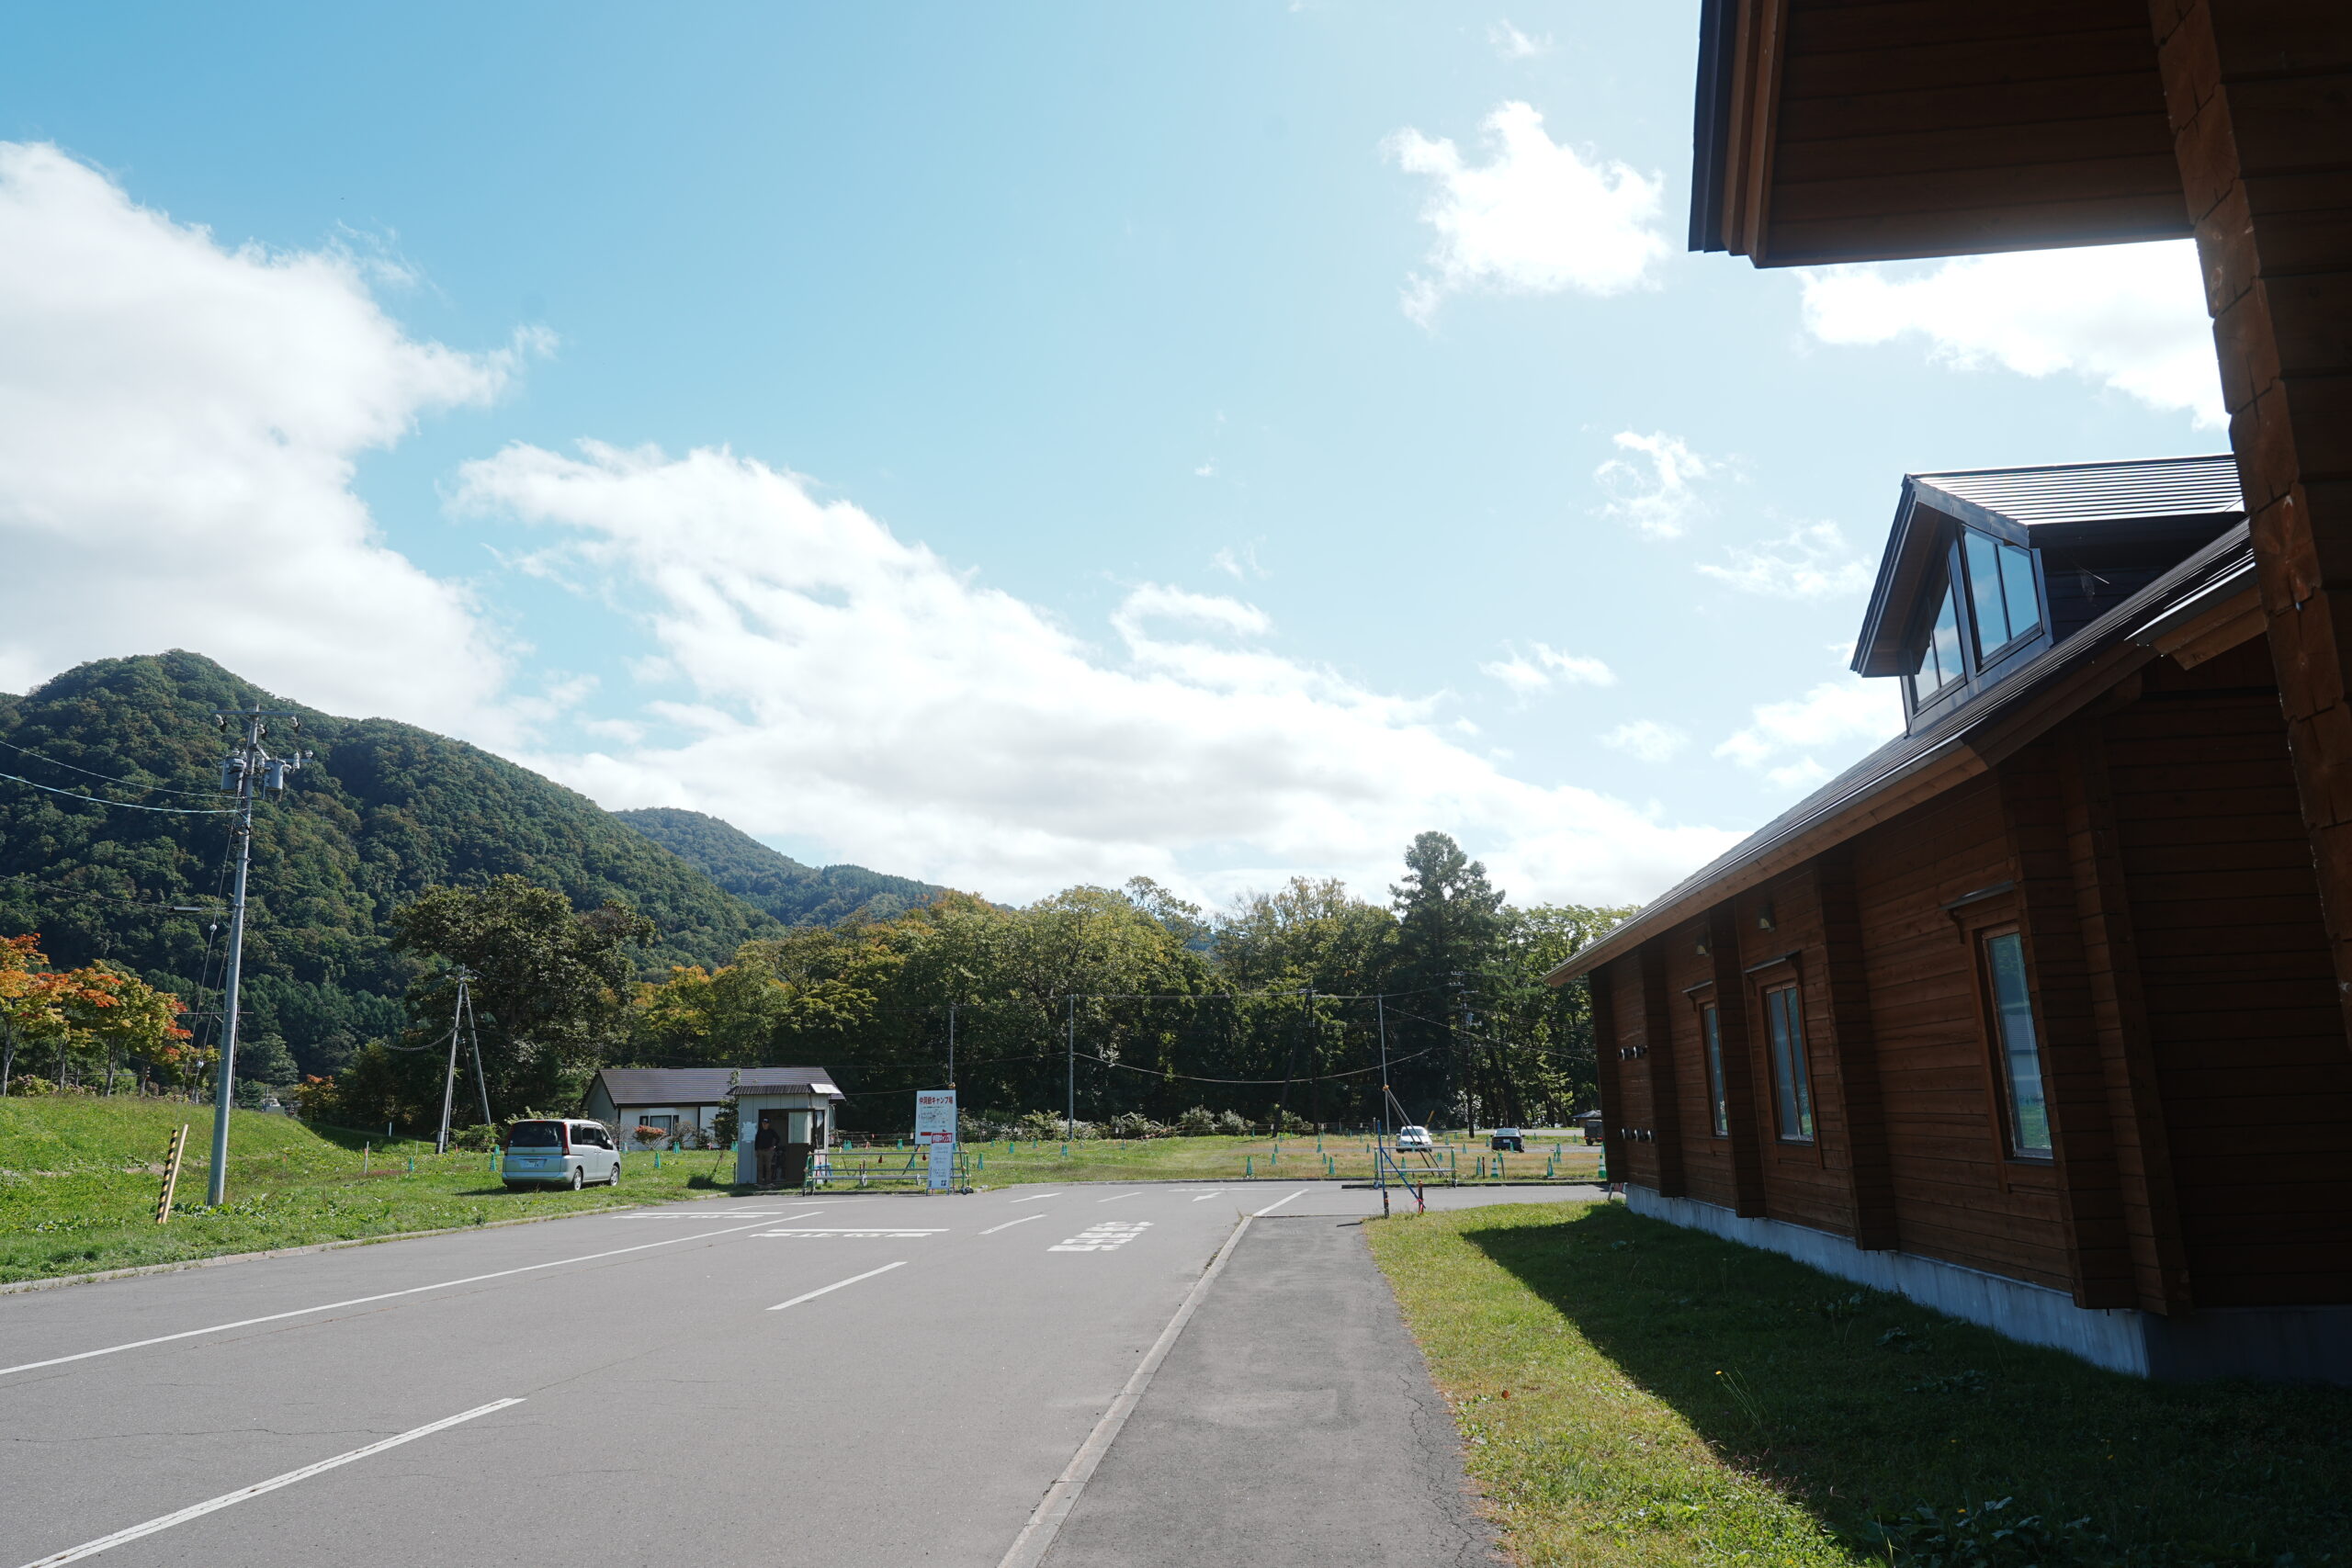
column 110, row 778
column 126, row 805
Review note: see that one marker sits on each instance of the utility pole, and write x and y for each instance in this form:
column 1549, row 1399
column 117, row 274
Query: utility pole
column 460, row 1017
column 247, row 771
column 1379, row 1011
column 1070, row 1118
column 951, row 1052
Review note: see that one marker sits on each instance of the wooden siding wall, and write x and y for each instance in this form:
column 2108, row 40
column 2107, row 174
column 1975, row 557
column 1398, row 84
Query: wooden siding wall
column 2242, row 1015
column 1910, row 128
column 2151, row 850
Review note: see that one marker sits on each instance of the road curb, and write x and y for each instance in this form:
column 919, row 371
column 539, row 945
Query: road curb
column 62, row 1280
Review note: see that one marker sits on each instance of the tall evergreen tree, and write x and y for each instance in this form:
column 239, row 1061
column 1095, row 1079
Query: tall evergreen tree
column 1449, row 932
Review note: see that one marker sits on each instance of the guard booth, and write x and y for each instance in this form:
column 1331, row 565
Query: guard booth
column 781, row 1123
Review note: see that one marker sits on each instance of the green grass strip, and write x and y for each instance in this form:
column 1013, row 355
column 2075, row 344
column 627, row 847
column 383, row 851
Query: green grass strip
column 1632, row 1392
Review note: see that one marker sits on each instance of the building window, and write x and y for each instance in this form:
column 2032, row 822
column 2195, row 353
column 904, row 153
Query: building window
column 1791, row 1088
column 1940, row 661
column 1711, row 1031
column 2027, row 1107
column 2001, row 592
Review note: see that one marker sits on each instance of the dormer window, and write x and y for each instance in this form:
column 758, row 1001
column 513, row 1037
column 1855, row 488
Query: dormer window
column 2000, row 584
column 1940, row 662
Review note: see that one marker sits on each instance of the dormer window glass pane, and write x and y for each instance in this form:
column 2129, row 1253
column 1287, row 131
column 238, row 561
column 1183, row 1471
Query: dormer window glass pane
column 2017, row 588
column 2000, row 591
column 1942, row 666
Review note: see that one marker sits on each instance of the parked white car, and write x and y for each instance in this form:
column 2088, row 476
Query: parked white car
column 559, row 1154
column 1414, row 1140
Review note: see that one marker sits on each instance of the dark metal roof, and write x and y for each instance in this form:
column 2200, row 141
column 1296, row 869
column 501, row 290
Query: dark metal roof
column 2055, row 504
column 2094, row 492
column 2226, row 560
column 708, row 1086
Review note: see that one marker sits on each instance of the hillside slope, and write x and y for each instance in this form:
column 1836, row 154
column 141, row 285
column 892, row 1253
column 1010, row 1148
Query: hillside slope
column 385, row 810
column 795, row 894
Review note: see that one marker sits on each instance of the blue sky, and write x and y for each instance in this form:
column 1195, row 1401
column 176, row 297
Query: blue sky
column 1211, row 442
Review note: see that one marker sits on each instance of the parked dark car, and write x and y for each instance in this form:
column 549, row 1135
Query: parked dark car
column 1506, row 1139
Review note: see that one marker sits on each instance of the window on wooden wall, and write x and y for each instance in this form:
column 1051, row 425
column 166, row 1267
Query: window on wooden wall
column 1792, row 1085
column 1719, row 1105
column 2026, row 1107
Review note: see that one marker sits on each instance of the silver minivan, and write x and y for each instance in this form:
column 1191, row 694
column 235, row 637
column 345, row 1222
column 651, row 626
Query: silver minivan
column 559, row 1154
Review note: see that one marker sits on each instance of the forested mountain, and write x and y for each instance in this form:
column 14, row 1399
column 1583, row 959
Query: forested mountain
column 385, row 811
column 795, row 894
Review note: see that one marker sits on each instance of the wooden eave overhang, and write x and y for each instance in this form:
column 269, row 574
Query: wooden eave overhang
column 1829, row 131
column 2200, row 607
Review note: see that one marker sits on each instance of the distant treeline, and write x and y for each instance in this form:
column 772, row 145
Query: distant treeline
column 1280, row 1001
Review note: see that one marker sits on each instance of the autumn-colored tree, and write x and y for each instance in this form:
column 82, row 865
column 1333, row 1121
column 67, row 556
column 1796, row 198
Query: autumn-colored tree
column 81, row 1016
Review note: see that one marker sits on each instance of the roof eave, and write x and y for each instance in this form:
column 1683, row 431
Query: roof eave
column 1711, row 122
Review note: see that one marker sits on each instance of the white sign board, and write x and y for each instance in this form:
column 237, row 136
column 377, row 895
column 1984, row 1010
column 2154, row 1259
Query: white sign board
column 936, row 1116
column 942, row 1167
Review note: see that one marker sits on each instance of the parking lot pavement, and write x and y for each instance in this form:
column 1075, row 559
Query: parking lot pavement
column 773, row 1381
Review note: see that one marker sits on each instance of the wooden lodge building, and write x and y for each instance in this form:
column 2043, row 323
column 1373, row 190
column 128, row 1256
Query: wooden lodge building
column 2039, row 1014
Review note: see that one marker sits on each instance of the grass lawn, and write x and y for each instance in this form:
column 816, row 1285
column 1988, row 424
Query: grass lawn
column 1000, row 1164
column 79, row 1175
column 1630, row 1392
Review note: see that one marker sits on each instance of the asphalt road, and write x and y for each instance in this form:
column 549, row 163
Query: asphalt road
column 893, row 1379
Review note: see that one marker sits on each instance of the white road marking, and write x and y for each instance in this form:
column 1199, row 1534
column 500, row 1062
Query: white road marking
column 92, row 1548
column 1035, row 1196
column 1106, row 1236
column 1037, row 1537
column 828, row 1290
column 1010, row 1224
column 1207, row 1195
column 1280, row 1202
column 1114, row 1200
column 717, row 1215
column 845, row 1231
column 363, row 1300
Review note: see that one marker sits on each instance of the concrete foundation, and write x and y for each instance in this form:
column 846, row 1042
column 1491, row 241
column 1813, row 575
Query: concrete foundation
column 2306, row 1344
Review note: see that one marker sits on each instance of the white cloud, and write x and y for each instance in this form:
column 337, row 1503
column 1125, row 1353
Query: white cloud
column 841, row 684
column 1205, row 471
column 1785, row 740
column 1653, row 489
column 2129, row 317
column 1647, row 739
column 179, row 424
column 1538, row 218
column 1549, row 667
column 1513, row 44
column 1810, row 561
column 1238, row 564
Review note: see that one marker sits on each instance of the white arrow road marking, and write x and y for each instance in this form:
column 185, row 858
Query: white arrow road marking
column 1207, row 1195
column 92, row 1548
column 828, row 1290
column 1035, row 1196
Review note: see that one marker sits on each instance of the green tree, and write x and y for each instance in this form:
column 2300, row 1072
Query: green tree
column 1450, row 927
column 550, row 985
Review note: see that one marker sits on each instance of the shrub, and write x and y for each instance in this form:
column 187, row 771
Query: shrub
column 480, row 1138
column 647, row 1135
column 1232, row 1126
column 1197, row 1122
column 30, row 1086
column 1135, row 1125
